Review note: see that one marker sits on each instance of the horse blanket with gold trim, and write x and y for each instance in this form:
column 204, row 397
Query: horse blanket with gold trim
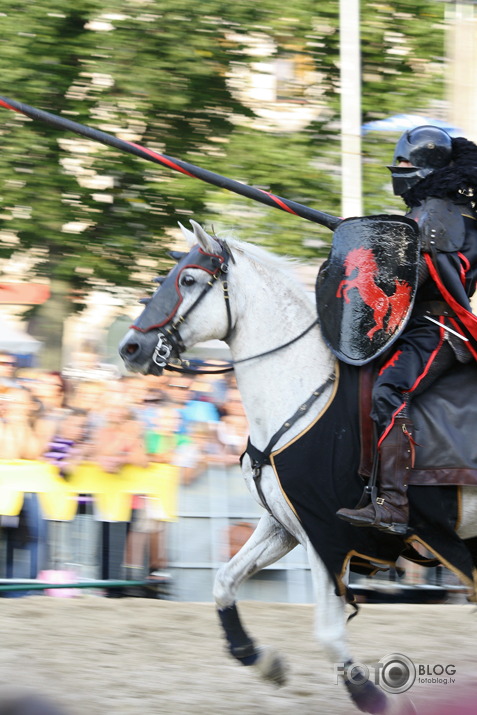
column 319, row 473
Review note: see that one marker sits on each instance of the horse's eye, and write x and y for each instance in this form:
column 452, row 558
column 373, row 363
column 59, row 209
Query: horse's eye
column 187, row 280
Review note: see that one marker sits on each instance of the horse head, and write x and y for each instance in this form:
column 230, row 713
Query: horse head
column 191, row 305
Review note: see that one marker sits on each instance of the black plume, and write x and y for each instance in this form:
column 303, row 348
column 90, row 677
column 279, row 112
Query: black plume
column 458, row 181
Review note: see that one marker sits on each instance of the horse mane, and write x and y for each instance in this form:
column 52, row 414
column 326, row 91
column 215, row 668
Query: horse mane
column 285, row 264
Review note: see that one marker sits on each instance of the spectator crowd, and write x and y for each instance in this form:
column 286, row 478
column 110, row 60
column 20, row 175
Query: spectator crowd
column 91, row 415
column 189, row 421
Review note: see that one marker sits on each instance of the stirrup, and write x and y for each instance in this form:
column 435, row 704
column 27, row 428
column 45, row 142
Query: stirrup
column 370, row 491
column 370, row 494
column 394, row 528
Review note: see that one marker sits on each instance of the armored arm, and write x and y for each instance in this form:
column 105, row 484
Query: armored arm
column 441, row 225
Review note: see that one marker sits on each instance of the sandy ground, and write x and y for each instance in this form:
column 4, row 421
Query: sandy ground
column 135, row 656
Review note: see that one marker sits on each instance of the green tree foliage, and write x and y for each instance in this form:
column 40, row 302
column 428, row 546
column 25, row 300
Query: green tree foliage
column 403, row 72
column 158, row 73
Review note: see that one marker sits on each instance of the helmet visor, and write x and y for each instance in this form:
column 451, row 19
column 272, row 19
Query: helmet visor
column 405, row 177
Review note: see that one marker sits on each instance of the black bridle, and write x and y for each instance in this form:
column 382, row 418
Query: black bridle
column 170, row 342
column 164, row 320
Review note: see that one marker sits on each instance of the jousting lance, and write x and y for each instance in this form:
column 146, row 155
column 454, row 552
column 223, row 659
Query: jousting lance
column 183, row 167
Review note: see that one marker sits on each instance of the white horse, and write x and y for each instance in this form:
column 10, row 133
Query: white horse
column 251, row 299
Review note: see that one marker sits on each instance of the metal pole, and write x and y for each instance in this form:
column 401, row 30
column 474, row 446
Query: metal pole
column 350, row 60
column 461, row 52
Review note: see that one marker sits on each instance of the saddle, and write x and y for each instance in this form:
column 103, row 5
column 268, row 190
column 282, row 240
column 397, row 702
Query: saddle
column 318, row 473
column 444, row 428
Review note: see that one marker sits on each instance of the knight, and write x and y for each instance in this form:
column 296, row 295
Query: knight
column 436, row 176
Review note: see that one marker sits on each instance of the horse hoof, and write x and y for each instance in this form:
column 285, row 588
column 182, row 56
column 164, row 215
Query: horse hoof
column 368, row 698
column 271, row 666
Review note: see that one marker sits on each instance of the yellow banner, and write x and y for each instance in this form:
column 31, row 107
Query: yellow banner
column 112, row 492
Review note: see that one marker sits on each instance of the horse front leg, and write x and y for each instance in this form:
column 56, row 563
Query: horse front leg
column 268, row 543
column 331, row 633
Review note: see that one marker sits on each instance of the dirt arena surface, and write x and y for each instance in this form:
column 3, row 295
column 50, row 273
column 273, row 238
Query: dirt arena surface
column 94, row 655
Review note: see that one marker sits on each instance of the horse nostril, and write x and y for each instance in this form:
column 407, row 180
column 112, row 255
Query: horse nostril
column 131, row 348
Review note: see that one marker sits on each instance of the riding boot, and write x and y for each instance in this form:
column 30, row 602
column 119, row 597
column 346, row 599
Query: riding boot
column 390, row 510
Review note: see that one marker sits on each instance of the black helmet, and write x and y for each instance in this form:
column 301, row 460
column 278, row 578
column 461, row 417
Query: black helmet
column 426, row 148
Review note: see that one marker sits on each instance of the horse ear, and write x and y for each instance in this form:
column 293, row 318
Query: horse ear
column 207, row 242
column 188, row 235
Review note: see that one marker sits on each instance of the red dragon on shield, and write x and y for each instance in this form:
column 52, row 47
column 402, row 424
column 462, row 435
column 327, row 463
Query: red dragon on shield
column 362, row 263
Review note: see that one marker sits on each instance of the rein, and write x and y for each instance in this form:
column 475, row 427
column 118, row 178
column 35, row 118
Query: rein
column 187, row 368
column 169, row 341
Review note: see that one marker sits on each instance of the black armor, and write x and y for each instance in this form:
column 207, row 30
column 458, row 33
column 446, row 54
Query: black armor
column 426, row 148
column 442, row 330
column 441, row 225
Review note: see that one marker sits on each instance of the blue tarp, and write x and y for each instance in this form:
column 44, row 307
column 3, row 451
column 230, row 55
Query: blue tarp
column 401, row 122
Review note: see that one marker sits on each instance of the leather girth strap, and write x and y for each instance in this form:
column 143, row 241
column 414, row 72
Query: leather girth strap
column 366, row 425
column 260, row 458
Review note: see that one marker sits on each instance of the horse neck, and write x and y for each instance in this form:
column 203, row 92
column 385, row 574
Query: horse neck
column 273, row 310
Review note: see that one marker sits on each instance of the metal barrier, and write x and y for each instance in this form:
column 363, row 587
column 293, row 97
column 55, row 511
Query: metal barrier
column 34, row 585
column 198, row 542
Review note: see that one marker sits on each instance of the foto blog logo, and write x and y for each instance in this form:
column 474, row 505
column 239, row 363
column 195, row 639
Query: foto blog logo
column 395, row 673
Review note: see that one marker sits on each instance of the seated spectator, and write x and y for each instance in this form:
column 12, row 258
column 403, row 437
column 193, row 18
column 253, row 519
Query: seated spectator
column 232, row 433
column 90, row 396
column 69, row 447
column 163, row 439
column 220, row 387
column 164, row 445
column 191, row 452
column 49, row 388
column 200, row 406
column 8, row 363
column 156, row 387
column 22, row 438
column 232, row 430
column 21, row 432
column 86, row 364
column 141, row 399
column 206, row 450
column 177, row 389
column 119, row 439
column 147, row 537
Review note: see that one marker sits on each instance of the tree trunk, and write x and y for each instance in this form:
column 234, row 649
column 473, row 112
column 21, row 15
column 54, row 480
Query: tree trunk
column 47, row 325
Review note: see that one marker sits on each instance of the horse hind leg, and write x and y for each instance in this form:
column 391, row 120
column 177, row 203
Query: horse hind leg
column 268, row 543
column 331, row 633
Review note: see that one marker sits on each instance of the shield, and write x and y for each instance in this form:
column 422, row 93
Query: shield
column 366, row 288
